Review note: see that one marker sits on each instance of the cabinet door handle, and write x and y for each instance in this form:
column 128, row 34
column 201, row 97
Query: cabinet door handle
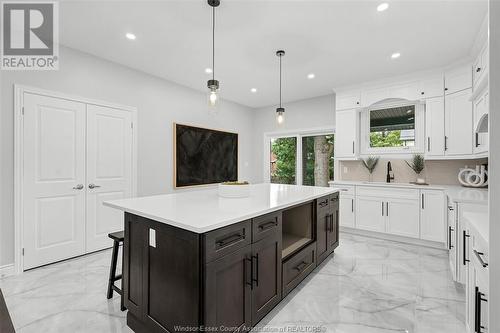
column 352, row 205
column 267, row 225
column 387, row 209
column 481, row 261
column 230, row 240
column 301, row 266
column 78, row 187
column 464, row 249
column 92, row 186
column 445, row 143
column 323, row 203
column 249, row 261
column 423, row 202
column 478, row 69
column 477, row 139
column 428, row 143
column 450, row 229
column 382, row 208
column 353, row 147
column 256, row 270
column 331, row 222
column 327, row 222
column 477, row 321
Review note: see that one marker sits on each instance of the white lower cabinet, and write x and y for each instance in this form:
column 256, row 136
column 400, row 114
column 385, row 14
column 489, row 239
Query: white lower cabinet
column 432, row 216
column 406, row 212
column 346, row 210
column 370, row 214
column 402, row 217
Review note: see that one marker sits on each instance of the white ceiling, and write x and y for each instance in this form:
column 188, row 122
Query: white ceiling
column 342, row 42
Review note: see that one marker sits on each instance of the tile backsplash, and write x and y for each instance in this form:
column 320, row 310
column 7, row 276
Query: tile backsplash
column 442, row 172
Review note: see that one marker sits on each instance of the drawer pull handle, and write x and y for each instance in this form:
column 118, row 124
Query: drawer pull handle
column 481, row 261
column 301, row 266
column 450, row 230
column 323, row 203
column 230, row 240
column 267, row 225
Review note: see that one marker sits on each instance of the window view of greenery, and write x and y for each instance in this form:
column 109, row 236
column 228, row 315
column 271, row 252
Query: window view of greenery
column 317, row 160
column 393, row 127
column 283, row 160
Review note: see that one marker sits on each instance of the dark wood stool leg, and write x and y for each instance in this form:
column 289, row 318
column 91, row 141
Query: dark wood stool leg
column 112, row 270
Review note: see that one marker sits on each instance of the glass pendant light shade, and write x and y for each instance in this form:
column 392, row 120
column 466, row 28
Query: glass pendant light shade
column 280, row 115
column 213, row 93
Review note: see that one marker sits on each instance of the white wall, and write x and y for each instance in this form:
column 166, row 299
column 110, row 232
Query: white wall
column 311, row 113
column 494, row 167
column 160, row 103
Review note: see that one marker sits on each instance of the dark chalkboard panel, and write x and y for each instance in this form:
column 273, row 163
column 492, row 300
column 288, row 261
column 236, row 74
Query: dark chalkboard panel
column 204, row 156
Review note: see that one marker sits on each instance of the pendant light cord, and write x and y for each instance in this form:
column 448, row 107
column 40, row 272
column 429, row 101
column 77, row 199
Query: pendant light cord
column 280, row 81
column 213, row 43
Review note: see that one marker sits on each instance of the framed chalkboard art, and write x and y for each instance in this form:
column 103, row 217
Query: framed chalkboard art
column 204, row 156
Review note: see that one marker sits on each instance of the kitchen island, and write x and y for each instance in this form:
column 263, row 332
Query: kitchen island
column 194, row 261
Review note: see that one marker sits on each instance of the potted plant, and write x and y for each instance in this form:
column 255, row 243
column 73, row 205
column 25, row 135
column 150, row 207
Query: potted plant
column 417, row 164
column 370, row 163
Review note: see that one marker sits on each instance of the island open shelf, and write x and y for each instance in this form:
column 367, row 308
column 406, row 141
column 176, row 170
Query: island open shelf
column 297, row 228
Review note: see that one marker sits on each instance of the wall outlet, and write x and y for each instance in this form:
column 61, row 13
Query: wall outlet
column 152, row 237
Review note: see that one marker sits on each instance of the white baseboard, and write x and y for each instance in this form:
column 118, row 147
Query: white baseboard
column 7, row 270
column 395, row 238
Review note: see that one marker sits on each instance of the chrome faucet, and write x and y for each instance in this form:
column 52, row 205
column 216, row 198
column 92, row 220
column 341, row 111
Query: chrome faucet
column 390, row 174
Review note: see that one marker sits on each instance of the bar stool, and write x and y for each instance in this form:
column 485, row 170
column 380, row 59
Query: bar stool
column 117, row 238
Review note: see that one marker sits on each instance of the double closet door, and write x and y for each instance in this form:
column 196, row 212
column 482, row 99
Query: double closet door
column 75, row 156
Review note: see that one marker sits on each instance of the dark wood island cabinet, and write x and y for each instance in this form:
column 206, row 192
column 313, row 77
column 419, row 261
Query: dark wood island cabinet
column 225, row 279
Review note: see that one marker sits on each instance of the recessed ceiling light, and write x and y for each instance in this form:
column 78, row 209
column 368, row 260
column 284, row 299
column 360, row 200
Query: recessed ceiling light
column 130, row 36
column 208, row 70
column 396, row 55
column 382, row 6
column 254, row 90
column 311, row 76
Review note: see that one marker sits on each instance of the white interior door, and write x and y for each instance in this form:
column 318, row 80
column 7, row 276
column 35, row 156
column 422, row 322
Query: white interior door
column 109, row 171
column 53, row 179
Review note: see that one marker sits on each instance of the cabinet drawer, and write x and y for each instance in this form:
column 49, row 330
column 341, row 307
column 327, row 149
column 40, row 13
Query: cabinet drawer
column 345, row 189
column 266, row 225
column 225, row 240
column 387, row 192
column 322, row 204
column 298, row 267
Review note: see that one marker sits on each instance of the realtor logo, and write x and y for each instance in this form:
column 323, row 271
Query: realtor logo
column 30, row 36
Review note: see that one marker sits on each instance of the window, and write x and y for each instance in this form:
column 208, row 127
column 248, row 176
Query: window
column 283, row 160
column 393, row 127
column 396, row 127
column 304, row 159
column 317, row 160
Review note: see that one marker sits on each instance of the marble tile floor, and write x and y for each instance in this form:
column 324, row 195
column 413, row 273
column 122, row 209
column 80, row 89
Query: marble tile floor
column 368, row 285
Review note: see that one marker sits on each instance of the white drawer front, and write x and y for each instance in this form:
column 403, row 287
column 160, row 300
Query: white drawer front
column 387, row 192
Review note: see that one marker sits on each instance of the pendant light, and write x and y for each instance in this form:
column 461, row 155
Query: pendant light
column 213, row 84
column 280, row 111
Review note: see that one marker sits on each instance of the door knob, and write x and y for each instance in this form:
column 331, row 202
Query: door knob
column 92, row 186
column 78, row 187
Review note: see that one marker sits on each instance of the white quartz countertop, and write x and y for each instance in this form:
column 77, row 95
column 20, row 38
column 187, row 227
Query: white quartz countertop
column 477, row 217
column 456, row 193
column 203, row 210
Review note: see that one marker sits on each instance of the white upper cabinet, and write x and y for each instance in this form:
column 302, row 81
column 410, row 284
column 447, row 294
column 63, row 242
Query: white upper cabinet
column 480, row 67
column 458, row 123
column 406, row 91
column 432, row 216
column 431, row 87
column 481, row 110
column 434, row 126
column 348, row 100
column 346, row 134
column 458, row 79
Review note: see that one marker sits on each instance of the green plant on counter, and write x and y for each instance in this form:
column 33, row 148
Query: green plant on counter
column 417, row 164
column 370, row 163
